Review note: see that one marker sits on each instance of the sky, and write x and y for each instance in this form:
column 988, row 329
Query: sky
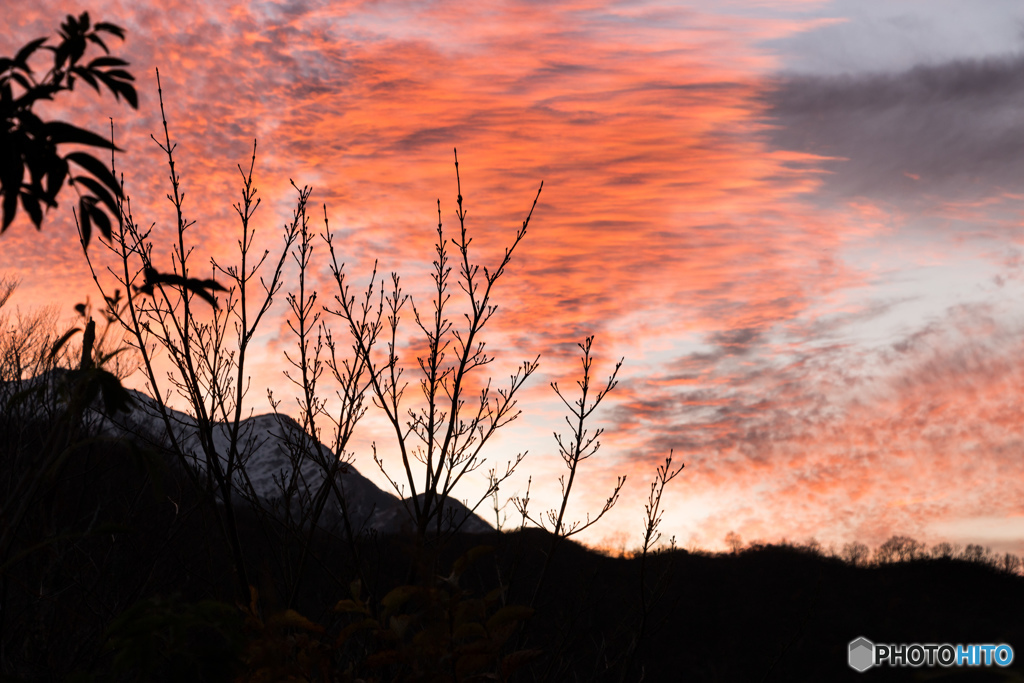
column 798, row 222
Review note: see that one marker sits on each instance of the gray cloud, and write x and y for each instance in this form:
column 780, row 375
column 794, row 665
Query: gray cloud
column 952, row 131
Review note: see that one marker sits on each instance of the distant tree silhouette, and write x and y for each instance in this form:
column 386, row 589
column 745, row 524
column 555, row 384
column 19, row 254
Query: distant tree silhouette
column 28, row 142
column 944, row 550
column 976, row 553
column 813, row 545
column 1009, row 563
column 856, row 553
column 899, row 549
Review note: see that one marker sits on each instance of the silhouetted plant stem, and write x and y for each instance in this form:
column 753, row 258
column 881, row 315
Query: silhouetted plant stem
column 448, row 442
column 208, row 376
column 88, row 340
column 190, row 374
column 653, row 514
column 310, row 366
column 579, row 448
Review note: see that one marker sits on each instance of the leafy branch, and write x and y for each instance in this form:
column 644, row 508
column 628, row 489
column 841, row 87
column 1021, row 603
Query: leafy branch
column 29, row 143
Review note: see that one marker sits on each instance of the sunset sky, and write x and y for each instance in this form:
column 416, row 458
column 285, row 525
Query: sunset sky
column 798, row 221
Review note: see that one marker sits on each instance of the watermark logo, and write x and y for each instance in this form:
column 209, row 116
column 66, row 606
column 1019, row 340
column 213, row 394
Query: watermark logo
column 863, row 654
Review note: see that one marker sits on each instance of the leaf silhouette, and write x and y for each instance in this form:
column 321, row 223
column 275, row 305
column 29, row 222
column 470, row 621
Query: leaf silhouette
column 58, row 132
column 110, row 28
column 59, row 344
column 86, row 75
column 31, row 206
column 10, row 207
column 197, row 286
column 55, row 175
column 85, row 220
column 26, row 140
column 100, row 191
column 97, row 168
column 21, row 59
column 102, row 222
column 106, row 61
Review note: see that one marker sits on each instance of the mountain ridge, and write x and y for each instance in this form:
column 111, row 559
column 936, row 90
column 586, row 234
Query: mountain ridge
column 268, row 440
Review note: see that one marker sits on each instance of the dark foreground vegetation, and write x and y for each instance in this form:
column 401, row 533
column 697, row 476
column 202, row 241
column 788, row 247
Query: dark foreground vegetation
column 138, row 586
column 151, row 555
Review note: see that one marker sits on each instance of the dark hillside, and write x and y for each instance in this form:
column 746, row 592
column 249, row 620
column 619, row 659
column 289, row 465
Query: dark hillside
column 774, row 613
column 116, row 526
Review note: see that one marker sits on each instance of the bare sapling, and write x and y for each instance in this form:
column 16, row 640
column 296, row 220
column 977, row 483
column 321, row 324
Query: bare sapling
column 653, row 513
column 315, row 352
column 580, row 446
column 207, row 371
column 445, row 435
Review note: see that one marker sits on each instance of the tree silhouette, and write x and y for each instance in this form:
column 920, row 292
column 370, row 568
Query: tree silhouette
column 28, row 142
column 899, row 549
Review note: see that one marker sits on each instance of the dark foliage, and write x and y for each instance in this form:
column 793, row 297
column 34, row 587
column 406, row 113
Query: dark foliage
column 29, row 143
column 125, row 578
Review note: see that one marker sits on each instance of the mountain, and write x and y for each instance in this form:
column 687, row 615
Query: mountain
column 269, row 442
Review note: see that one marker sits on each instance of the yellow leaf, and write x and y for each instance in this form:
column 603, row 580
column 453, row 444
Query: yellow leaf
column 470, row 664
column 470, row 610
column 400, row 624
column 494, row 595
column 469, row 631
column 511, row 613
column 382, row 658
column 433, row 637
column 471, row 556
column 398, row 597
column 254, row 600
column 351, row 606
column 292, row 619
column 351, row 629
column 516, row 660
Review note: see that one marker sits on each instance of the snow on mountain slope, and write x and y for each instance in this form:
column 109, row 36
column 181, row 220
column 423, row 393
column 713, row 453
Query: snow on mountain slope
column 269, row 440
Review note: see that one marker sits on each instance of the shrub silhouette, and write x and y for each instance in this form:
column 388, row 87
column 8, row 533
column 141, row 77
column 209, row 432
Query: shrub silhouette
column 27, row 143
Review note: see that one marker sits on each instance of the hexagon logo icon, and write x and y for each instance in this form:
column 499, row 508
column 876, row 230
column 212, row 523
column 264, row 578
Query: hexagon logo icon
column 862, row 654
